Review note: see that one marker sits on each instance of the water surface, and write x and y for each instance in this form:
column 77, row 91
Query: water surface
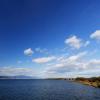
column 46, row 90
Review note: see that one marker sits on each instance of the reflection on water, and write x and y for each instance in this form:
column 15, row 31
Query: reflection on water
column 46, row 90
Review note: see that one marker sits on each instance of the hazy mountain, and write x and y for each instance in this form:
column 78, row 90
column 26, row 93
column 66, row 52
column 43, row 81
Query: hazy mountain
column 17, row 77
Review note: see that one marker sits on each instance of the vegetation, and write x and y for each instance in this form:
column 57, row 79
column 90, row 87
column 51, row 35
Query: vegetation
column 94, row 81
column 56, row 78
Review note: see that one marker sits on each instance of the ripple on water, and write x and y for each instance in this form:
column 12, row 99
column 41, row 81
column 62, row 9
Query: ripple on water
column 46, row 90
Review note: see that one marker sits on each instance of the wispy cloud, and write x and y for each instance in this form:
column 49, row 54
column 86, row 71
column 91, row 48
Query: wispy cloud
column 44, row 59
column 13, row 71
column 86, row 43
column 74, row 61
column 73, row 64
column 40, row 50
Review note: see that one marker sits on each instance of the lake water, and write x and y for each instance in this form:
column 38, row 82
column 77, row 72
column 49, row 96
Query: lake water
column 46, row 90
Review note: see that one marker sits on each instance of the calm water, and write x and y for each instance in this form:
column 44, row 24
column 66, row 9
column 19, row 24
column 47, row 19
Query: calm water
column 46, row 90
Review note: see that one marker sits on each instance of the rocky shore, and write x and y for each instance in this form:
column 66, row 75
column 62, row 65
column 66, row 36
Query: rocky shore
column 94, row 81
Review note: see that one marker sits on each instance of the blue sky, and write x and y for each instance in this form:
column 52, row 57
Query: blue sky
column 50, row 38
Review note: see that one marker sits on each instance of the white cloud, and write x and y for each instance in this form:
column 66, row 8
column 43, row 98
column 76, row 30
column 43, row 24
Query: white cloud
column 70, row 63
column 13, row 71
column 94, row 64
column 75, row 64
column 74, row 58
column 95, row 35
column 28, row 52
column 74, row 42
column 44, row 59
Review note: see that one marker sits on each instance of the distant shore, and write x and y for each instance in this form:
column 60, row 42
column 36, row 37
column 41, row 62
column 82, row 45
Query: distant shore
column 93, row 81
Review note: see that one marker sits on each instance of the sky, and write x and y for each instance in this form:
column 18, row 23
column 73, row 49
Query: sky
column 50, row 38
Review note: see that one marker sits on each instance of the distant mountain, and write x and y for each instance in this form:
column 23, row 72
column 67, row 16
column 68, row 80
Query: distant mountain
column 17, row 77
column 23, row 77
column 5, row 77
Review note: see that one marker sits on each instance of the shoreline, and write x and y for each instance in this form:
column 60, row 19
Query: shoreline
column 94, row 82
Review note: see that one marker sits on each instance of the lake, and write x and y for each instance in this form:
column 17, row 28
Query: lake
column 46, row 90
